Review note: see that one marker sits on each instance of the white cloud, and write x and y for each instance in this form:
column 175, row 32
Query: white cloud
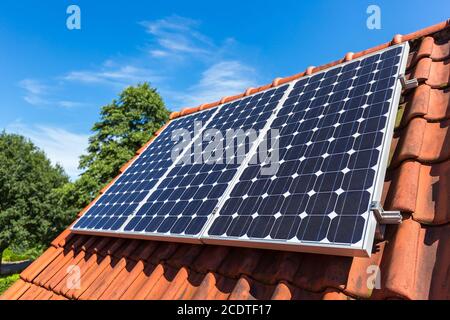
column 159, row 53
column 61, row 146
column 178, row 36
column 118, row 76
column 39, row 94
column 35, row 91
column 70, row 104
column 222, row 79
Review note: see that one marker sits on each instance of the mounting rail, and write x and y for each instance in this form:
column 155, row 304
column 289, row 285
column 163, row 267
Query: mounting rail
column 385, row 217
column 408, row 84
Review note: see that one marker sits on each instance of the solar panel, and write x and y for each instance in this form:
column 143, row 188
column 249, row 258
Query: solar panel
column 121, row 199
column 333, row 130
column 330, row 132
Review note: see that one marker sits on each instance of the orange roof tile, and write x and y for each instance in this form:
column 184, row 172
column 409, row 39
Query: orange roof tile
column 413, row 259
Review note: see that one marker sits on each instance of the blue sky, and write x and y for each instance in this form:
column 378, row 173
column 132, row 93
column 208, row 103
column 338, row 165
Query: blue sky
column 54, row 80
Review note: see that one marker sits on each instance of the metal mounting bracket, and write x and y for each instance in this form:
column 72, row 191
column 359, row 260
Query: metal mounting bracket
column 408, row 84
column 385, row 217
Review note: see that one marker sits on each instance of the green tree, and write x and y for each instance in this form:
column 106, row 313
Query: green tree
column 125, row 125
column 30, row 207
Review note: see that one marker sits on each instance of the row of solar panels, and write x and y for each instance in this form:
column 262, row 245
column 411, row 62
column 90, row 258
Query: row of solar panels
column 327, row 137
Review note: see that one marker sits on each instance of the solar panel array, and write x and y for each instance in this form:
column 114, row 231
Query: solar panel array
column 329, row 132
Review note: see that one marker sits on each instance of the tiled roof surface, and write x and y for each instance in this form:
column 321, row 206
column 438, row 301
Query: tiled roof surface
column 414, row 258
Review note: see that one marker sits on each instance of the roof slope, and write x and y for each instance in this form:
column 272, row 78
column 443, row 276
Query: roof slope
column 414, row 259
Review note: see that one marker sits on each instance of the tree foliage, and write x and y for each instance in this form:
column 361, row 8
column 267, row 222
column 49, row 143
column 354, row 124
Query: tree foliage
column 124, row 126
column 31, row 212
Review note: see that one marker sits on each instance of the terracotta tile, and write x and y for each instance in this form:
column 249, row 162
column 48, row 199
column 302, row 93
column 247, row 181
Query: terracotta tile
column 335, row 295
column 90, row 271
column 425, row 141
column 275, row 266
column 43, row 294
column 433, row 201
column 223, row 288
column 157, row 289
column 242, row 290
column 175, row 285
column 40, row 263
column 95, row 283
column 422, row 70
column 62, row 239
column 187, row 111
column 249, row 289
column 84, row 243
column 439, row 76
column 427, row 31
column 416, row 262
column 190, row 287
column 362, row 271
column 123, row 281
column 115, row 247
column 410, row 141
column 84, row 261
column 418, row 103
column 209, row 105
column 436, row 145
column 145, row 250
column 432, row 48
column 143, row 283
column 185, row 255
column 439, row 105
column 232, row 98
column 206, row 286
column 63, row 259
column 282, row 292
column 31, row 293
column 401, row 191
column 15, row 291
column 163, row 252
column 425, row 50
column 441, row 51
column 432, row 104
column 101, row 246
column 104, row 280
column 319, row 272
column 240, row 261
column 174, row 115
column 210, row 258
column 58, row 297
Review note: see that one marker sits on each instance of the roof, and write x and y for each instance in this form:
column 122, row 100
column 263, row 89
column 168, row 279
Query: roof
column 413, row 259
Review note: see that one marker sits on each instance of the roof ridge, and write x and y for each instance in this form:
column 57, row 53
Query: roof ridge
column 397, row 39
